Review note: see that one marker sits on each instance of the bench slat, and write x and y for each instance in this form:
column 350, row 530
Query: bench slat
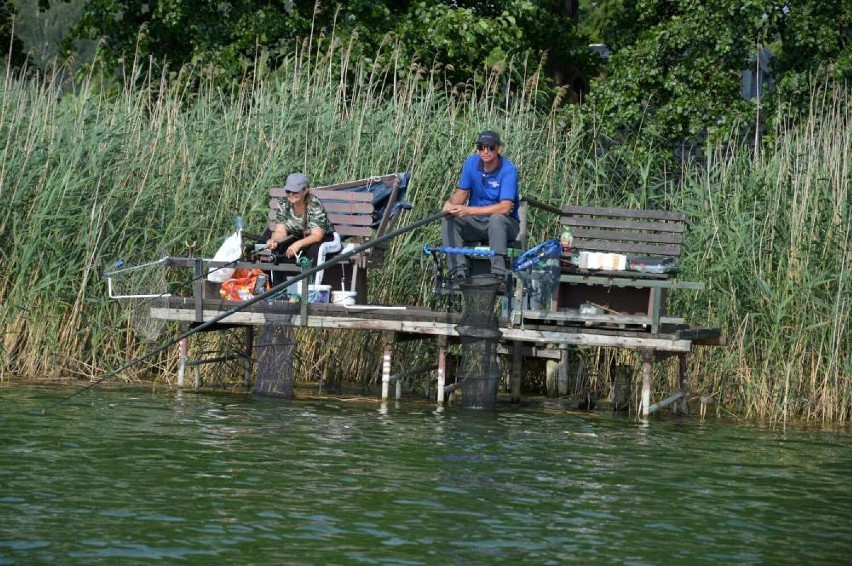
column 330, row 194
column 584, row 235
column 343, row 229
column 341, row 195
column 625, row 213
column 348, row 230
column 351, row 219
column 627, row 248
column 598, row 222
column 365, row 208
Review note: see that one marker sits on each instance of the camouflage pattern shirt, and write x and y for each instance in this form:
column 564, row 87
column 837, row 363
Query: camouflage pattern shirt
column 316, row 217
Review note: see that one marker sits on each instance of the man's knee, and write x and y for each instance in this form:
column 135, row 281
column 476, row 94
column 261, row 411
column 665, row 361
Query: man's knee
column 502, row 226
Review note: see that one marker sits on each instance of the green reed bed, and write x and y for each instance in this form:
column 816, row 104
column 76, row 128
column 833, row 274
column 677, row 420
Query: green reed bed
column 774, row 243
column 88, row 177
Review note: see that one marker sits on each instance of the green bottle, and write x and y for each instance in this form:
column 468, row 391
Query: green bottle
column 566, row 240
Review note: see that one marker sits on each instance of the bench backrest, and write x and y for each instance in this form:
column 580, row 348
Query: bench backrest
column 625, row 231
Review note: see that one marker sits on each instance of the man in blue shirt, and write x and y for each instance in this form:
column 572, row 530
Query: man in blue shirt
column 484, row 206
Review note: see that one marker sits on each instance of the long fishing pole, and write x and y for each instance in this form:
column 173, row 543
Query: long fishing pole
column 256, row 299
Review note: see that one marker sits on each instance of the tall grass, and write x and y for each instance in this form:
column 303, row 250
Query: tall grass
column 88, row 177
column 774, row 240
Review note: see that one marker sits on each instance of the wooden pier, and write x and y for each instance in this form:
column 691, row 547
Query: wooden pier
column 630, row 306
column 525, row 337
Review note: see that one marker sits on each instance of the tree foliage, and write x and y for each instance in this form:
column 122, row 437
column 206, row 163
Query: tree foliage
column 464, row 37
column 814, row 40
column 676, row 65
column 675, row 70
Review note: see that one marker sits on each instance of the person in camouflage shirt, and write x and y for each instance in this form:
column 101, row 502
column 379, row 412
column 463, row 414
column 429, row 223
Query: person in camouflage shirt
column 303, row 223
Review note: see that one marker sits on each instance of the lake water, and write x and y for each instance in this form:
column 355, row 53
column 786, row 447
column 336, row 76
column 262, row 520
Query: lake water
column 127, row 476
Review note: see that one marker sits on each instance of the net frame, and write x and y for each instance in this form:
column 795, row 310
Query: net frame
column 139, row 288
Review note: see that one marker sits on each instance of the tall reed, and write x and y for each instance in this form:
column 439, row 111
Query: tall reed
column 89, row 176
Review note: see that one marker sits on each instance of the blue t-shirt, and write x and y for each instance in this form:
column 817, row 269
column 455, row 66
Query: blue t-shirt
column 491, row 187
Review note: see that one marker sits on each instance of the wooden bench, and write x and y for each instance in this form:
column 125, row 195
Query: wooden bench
column 626, row 297
column 360, row 211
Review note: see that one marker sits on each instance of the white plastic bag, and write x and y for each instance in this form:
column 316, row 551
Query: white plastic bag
column 230, row 251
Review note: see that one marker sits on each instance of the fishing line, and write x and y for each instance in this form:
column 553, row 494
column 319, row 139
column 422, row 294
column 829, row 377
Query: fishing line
column 256, row 299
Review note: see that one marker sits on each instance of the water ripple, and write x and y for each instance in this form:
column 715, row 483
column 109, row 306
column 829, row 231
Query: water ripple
column 118, row 475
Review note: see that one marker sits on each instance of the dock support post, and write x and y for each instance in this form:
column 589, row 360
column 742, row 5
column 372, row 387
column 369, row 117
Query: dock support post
column 562, row 372
column 682, row 407
column 183, row 347
column 442, row 368
column 387, row 355
column 517, row 368
column 647, row 366
column 249, row 355
column 386, row 364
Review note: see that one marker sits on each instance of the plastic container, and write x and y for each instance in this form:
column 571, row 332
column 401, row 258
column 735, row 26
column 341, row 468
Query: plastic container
column 343, row 297
column 566, row 241
column 260, row 284
column 589, row 308
column 319, row 293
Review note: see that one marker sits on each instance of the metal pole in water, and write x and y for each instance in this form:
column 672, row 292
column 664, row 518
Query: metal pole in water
column 182, row 349
column 647, row 359
column 442, row 368
column 386, row 366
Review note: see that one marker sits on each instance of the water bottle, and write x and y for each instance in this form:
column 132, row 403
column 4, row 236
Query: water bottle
column 260, row 284
column 239, row 223
column 566, row 240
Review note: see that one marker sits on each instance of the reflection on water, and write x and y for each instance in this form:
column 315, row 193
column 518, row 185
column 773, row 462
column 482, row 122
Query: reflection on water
column 128, row 476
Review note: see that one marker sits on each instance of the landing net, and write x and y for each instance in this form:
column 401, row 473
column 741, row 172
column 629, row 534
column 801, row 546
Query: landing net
column 478, row 371
column 140, row 288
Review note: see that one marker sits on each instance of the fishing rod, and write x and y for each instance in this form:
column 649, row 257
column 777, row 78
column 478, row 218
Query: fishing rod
column 256, row 299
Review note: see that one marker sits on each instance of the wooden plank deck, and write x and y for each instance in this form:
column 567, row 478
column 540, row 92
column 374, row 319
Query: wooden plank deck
column 423, row 321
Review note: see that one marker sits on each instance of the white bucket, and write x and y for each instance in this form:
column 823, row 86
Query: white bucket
column 343, row 297
column 318, row 293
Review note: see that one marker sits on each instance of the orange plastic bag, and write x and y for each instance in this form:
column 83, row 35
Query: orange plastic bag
column 244, row 285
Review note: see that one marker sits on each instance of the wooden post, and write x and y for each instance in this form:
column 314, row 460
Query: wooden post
column 249, row 355
column 386, row 364
column 183, row 347
column 303, row 308
column 517, row 369
column 199, row 289
column 551, row 377
column 682, row 407
column 647, row 366
column 562, row 372
column 442, row 368
column 656, row 305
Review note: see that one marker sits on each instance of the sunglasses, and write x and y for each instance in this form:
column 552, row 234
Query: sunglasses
column 484, row 146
